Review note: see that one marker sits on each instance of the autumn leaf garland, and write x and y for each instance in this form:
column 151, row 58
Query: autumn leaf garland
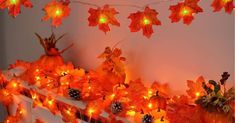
column 103, row 17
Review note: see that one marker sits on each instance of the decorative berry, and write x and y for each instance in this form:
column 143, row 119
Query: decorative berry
column 75, row 94
column 116, row 107
column 224, row 76
column 147, row 118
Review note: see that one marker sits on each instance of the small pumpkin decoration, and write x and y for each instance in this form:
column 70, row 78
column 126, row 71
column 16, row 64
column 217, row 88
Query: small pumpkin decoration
column 52, row 57
column 215, row 104
column 216, row 117
column 158, row 102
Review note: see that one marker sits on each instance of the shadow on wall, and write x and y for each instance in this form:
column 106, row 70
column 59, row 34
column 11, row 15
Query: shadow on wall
column 3, row 65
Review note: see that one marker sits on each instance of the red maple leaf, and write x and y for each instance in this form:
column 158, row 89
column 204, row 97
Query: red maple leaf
column 144, row 20
column 56, row 11
column 14, row 6
column 184, row 10
column 219, row 4
column 103, row 17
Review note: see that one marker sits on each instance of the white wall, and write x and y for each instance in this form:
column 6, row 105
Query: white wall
column 173, row 54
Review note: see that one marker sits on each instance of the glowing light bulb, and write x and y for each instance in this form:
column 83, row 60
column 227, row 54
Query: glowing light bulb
column 132, row 107
column 89, row 88
column 6, row 93
column 37, row 78
column 150, row 105
column 68, row 112
column 185, row 11
column 90, row 111
column 34, row 97
column 113, row 95
column 226, row 1
column 13, row 1
column 146, row 21
column 21, row 111
column 37, row 70
column 14, row 85
column 130, row 113
column 197, row 94
column 58, row 12
column 50, row 102
column 8, row 121
column 150, row 93
column 102, row 19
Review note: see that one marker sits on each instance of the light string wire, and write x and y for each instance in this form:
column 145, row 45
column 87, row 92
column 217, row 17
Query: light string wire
column 123, row 5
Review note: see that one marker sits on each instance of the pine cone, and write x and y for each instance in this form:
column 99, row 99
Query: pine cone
column 75, row 94
column 147, row 118
column 116, row 107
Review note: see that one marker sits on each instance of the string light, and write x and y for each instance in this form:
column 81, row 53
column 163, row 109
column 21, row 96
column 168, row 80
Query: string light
column 91, row 111
column 89, row 88
column 185, row 11
column 226, row 1
column 197, row 94
column 131, row 113
column 102, row 19
column 150, row 105
column 58, row 12
column 37, row 78
column 14, row 2
column 146, row 21
column 68, row 112
column 37, row 70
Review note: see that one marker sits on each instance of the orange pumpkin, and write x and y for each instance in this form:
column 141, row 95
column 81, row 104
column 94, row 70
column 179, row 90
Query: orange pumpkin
column 50, row 61
column 216, row 117
column 52, row 57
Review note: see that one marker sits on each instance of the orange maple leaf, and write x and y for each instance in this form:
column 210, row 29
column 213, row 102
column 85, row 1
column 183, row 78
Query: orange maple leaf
column 103, row 17
column 56, row 11
column 195, row 88
column 144, row 20
column 226, row 4
column 184, row 10
column 14, row 6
